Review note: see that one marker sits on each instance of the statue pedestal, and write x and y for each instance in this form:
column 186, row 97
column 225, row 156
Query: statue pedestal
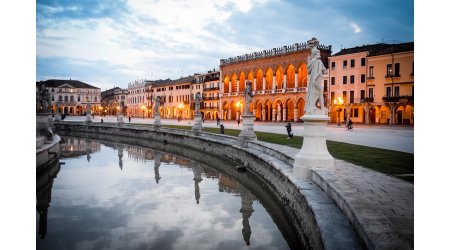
column 43, row 126
column 197, row 128
column 314, row 152
column 157, row 121
column 247, row 133
column 120, row 120
column 88, row 119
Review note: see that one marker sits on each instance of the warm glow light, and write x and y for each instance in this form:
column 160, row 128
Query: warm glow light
column 118, row 107
column 143, row 107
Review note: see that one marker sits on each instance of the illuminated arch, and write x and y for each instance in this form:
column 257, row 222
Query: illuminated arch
column 242, row 81
column 226, row 82
column 234, row 87
column 302, row 75
column 259, row 79
column 300, row 107
column 269, row 78
column 290, row 76
column 279, row 77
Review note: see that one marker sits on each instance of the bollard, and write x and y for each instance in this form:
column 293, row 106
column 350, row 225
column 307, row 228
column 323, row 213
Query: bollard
column 222, row 129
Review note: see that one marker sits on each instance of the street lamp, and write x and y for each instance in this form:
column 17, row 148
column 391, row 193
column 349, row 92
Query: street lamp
column 339, row 102
column 143, row 110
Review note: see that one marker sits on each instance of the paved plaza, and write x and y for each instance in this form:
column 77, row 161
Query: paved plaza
column 393, row 137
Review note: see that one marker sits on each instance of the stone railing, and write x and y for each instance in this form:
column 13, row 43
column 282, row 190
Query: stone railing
column 273, row 52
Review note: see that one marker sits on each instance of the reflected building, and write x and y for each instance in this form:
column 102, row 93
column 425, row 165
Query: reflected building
column 74, row 147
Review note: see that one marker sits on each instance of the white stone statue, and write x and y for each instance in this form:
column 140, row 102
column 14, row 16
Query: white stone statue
column 316, row 69
column 248, row 97
column 198, row 98
column 157, row 104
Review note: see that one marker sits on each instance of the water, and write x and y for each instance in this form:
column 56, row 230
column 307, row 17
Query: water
column 116, row 196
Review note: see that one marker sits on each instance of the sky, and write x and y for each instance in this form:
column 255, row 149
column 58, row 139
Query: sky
column 110, row 43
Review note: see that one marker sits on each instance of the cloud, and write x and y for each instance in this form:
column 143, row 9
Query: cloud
column 355, row 27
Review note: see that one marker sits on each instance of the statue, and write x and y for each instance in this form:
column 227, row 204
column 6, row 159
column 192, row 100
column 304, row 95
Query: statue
column 315, row 89
column 248, row 97
column 157, row 104
column 43, row 100
column 198, row 98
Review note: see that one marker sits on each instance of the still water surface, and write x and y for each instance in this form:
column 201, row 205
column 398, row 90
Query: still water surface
column 117, row 196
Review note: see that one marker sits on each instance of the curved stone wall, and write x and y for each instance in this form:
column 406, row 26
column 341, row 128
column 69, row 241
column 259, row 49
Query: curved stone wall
column 316, row 220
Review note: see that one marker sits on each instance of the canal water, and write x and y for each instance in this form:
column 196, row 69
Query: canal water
column 109, row 195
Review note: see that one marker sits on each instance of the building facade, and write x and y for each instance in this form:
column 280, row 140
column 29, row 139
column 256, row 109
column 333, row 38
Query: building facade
column 72, row 96
column 111, row 100
column 375, row 84
column 211, row 86
column 279, row 80
column 137, row 99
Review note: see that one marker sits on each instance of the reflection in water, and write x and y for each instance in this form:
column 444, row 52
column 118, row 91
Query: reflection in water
column 94, row 205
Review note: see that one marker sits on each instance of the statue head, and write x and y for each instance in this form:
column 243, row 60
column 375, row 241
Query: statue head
column 313, row 42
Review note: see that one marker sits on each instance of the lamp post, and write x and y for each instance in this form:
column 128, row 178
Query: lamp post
column 339, row 102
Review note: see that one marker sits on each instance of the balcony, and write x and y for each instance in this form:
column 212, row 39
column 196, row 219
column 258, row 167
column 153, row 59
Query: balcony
column 370, row 77
column 211, row 98
column 210, row 89
column 391, row 76
column 366, row 100
column 401, row 99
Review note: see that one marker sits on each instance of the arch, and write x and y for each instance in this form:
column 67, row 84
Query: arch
column 278, row 106
column 269, row 78
column 290, row 76
column 279, row 77
column 232, row 111
column 267, row 116
column 289, row 109
column 66, row 110
column 408, row 115
column 300, row 107
column 226, row 82
column 259, row 79
column 384, row 114
column 258, row 110
column 302, row 75
column 234, row 87
column 250, row 77
column 242, row 81
column 225, row 110
column 161, row 111
column 168, row 112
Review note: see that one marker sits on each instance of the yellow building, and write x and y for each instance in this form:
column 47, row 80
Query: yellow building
column 373, row 84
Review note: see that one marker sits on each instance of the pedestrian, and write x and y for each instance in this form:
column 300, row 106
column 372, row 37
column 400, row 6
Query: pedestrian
column 289, row 130
column 129, row 118
column 239, row 121
column 218, row 121
column 101, row 120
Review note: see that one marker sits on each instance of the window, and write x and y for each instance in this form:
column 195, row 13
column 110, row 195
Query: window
column 388, row 91
column 352, row 79
column 352, row 96
column 363, row 94
column 344, row 80
column 344, row 64
column 396, row 91
column 397, row 70
column 389, row 70
column 363, row 78
column 53, row 90
column 332, row 96
column 371, row 72
column 363, row 61
column 370, row 92
column 325, row 85
column 352, row 63
column 344, row 96
column 95, row 99
column 333, row 80
column 355, row 112
column 71, row 98
column 333, row 65
column 66, row 98
column 53, row 98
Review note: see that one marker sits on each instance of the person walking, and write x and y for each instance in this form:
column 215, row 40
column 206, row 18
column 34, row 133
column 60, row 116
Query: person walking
column 239, row 121
column 218, row 121
column 289, row 130
column 129, row 118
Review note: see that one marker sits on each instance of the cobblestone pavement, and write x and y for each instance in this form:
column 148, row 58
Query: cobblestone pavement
column 393, row 137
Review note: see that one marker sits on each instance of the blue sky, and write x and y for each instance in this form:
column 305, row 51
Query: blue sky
column 111, row 43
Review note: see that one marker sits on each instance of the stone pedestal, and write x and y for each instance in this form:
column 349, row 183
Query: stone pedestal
column 157, row 121
column 88, row 119
column 120, row 120
column 247, row 133
column 314, row 152
column 43, row 126
column 197, row 128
